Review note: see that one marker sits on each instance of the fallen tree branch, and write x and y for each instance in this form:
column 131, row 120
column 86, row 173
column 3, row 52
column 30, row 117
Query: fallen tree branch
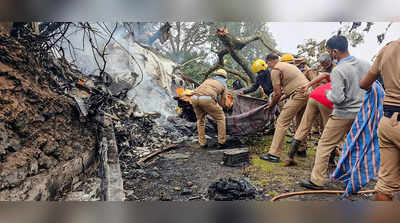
column 264, row 42
column 241, row 75
column 316, row 192
column 145, row 161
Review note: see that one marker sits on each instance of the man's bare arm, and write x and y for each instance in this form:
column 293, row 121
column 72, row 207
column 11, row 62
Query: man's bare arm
column 368, row 80
column 276, row 97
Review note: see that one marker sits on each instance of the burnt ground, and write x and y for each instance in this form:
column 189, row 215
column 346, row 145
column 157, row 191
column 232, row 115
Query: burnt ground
column 191, row 169
column 187, row 169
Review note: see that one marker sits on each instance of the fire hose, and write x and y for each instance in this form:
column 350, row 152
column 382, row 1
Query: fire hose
column 286, row 195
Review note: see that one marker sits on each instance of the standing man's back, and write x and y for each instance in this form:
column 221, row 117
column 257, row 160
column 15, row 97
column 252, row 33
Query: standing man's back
column 347, row 98
column 387, row 66
column 345, row 93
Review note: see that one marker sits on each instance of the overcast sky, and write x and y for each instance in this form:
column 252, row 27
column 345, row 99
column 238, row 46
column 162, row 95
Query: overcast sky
column 289, row 35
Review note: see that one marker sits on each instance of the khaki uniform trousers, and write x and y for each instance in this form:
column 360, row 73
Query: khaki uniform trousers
column 389, row 143
column 313, row 111
column 294, row 105
column 202, row 107
column 335, row 129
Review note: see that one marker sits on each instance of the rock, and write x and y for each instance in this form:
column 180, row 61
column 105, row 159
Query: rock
column 165, row 197
column 130, row 195
column 177, row 188
column 154, row 175
column 65, row 153
column 140, row 171
column 189, row 184
column 47, row 162
column 50, row 148
column 154, row 115
column 33, row 167
column 76, row 147
column 138, row 114
column 88, row 190
column 8, row 140
column 179, row 141
column 174, row 156
column 187, row 191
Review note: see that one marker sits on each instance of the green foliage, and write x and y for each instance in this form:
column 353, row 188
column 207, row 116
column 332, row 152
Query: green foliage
column 195, row 68
column 311, row 49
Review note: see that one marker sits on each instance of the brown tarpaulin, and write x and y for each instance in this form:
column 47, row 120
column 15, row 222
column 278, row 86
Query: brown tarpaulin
column 247, row 115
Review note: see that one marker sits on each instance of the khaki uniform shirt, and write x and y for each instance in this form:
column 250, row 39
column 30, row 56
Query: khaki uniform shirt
column 211, row 87
column 323, row 70
column 387, row 65
column 293, row 78
column 310, row 74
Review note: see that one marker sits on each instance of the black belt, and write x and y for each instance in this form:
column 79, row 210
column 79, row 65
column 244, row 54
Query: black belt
column 389, row 110
column 390, row 114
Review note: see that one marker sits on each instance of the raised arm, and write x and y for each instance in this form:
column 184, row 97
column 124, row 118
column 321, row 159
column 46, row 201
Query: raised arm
column 372, row 75
column 316, row 80
column 254, row 87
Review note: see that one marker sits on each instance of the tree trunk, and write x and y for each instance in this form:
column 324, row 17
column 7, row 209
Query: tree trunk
column 233, row 46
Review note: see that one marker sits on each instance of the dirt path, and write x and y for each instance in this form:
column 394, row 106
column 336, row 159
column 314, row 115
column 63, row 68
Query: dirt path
column 191, row 170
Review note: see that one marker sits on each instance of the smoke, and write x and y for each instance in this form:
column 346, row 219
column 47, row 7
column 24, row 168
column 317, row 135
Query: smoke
column 152, row 91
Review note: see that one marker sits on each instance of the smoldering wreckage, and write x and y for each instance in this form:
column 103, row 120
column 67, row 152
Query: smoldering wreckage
column 69, row 136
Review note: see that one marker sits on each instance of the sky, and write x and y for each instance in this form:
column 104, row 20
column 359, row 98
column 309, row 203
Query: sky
column 289, row 35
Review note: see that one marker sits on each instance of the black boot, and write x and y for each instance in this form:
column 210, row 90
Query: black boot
column 222, row 146
column 270, row 158
column 205, row 146
column 302, row 153
column 310, row 185
column 270, row 132
column 293, row 148
column 332, row 159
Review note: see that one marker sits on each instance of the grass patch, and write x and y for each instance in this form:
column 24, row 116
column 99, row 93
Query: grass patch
column 311, row 152
column 262, row 164
column 272, row 193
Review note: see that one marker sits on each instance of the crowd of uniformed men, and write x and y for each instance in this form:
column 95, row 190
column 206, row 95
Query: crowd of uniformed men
column 291, row 84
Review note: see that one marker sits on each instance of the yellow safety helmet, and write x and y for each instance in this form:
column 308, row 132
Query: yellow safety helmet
column 221, row 72
column 259, row 65
column 287, row 58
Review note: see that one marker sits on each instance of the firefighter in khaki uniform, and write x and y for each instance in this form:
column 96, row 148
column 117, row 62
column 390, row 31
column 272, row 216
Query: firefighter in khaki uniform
column 286, row 78
column 387, row 66
column 204, row 102
column 289, row 58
